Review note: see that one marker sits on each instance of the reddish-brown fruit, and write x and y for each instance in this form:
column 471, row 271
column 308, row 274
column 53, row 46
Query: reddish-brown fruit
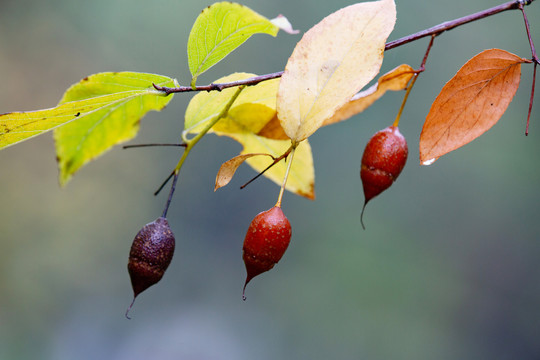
column 267, row 238
column 150, row 255
column 384, row 158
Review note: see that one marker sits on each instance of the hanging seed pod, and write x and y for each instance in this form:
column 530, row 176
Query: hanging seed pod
column 384, row 157
column 150, row 255
column 266, row 240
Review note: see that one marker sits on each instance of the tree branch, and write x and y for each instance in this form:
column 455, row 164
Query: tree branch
column 449, row 25
column 220, row 86
column 435, row 30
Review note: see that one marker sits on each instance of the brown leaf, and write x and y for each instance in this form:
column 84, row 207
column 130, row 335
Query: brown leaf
column 470, row 103
column 228, row 168
column 395, row 80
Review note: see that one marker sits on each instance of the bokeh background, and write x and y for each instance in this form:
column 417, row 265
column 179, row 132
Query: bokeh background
column 447, row 268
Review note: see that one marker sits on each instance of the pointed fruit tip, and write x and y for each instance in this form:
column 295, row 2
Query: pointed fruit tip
column 248, row 279
column 129, row 308
column 362, row 215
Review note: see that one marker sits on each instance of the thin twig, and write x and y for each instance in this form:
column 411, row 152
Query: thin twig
column 169, row 199
column 535, row 59
column 435, row 30
column 531, row 100
column 147, row 145
column 413, row 81
column 163, row 184
column 528, row 29
column 449, row 25
column 276, row 160
column 219, row 86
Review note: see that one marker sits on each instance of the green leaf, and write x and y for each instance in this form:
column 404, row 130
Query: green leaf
column 220, row 29
column 77, row 104
column 110, row 106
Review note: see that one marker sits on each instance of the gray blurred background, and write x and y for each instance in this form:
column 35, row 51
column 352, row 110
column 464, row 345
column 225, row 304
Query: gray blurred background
column 447, row 268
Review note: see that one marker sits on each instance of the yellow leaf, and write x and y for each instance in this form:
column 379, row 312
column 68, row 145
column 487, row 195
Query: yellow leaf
column 247, row 117
column 301, row 179
column 254, row 107
column 252, row 122
column 332, row 62
column 470, row 103
column 395, row 80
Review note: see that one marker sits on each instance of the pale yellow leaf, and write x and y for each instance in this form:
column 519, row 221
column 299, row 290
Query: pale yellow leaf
column 332, row 62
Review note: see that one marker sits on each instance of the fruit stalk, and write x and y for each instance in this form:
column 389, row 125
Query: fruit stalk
column 282, row 190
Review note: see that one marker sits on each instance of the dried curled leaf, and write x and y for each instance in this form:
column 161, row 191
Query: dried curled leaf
column 470, row 103
column 229, row 167
column 394, row 80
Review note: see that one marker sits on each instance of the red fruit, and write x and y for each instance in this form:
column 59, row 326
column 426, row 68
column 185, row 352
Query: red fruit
column 267, row 238
column 150, row 255
column 384, row 158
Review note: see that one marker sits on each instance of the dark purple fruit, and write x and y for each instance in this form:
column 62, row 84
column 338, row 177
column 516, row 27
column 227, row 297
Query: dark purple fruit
column 150, row 255
column 266, row 240
column 384, row 157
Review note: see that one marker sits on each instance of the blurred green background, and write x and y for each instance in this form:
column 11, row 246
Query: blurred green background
column 447, row 268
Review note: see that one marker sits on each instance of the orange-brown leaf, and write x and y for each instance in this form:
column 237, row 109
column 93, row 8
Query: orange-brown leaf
column 470, row 103
column 228, row 168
